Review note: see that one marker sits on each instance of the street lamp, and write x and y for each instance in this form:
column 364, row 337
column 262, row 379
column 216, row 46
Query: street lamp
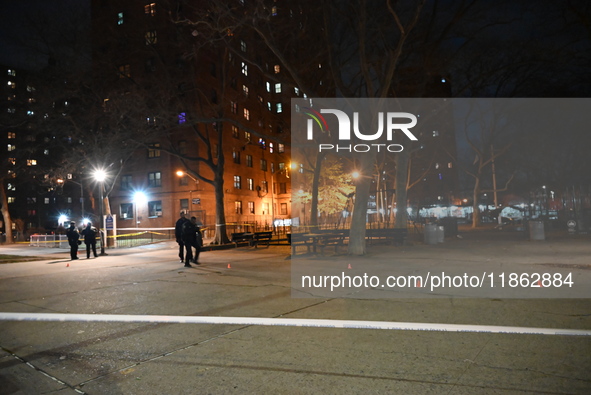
column 181, row 173
column 100, row 176
column 139, row 197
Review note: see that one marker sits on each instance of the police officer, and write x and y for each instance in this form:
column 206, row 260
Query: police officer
column 73, row 240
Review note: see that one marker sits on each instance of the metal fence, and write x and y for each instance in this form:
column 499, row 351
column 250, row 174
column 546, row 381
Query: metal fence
column 133, row 237
column 49, row 241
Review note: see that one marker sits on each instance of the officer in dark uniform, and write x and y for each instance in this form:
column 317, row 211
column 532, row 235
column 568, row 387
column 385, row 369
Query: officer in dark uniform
column 191, row 236
column 178, row 233
column 73, row 240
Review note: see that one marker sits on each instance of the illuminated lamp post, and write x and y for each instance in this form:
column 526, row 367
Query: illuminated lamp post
column 139, row 197
column 100, row 176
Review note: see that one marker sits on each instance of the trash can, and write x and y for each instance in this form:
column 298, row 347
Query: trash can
column 440, row 234
column 536, row 230
column 430, row 234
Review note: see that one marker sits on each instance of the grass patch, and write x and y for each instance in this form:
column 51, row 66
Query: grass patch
column 19, row 258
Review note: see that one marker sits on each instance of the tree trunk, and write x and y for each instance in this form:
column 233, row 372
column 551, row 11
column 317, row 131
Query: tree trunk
column 475, row 208
column 402, row 160
column 315, row 188
column 6, row 214
column 221, row 235
column 359, row 216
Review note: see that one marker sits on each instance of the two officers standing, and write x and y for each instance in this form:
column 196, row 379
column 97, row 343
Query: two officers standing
column 188, row 236
column 89, row 235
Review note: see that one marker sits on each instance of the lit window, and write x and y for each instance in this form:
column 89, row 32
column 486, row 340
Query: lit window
column 120, row 18
column 182, row 117
column 269, row 105
column 280, row 148
column 244, row 68
column 279, row 107
column 151, row 37
column 251, row 207
column 264, row 186
column 268, row 87
column 296, row 91
column 30, row 88
column 238, row 207
column 278, row 88
column 281, row 165
column 12, row 72
column 237, row 182
column 247, row 136
column 11, row 84
column 124, row 71
column 12, row 161
column 271, row 148
column 449, row 165
column 435, row 133
column 245, row 90
column 46, row 152
column 250, row 183
column 437, row 165
column 236, row 156
column 11, row 147
column 246, row 114
column 46, row 200
column 242, row 45
column 31, row 162
column 30, row 112
column 274, row 10
column 154, row 150
column 11, row 135
column 277, row 69
column 235, row 132
column 150, row 9
column 262, row 143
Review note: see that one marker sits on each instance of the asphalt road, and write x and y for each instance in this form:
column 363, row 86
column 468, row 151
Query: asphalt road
column 165, row 358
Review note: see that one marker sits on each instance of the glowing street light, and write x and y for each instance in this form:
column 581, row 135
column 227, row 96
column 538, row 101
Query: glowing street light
column 62, row 219
column 181, row 173
column 139, row 197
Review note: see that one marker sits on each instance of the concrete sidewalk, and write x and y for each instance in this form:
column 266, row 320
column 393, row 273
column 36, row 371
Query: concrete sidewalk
column 136, row 358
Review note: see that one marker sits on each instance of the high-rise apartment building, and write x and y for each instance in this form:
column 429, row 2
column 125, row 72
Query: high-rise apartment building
column 213, row 117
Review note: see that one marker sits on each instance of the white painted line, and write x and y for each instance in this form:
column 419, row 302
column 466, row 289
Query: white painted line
column 296, row 322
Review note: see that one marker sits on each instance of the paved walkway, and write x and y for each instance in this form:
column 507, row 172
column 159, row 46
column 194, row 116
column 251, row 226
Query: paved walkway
column 143, row 358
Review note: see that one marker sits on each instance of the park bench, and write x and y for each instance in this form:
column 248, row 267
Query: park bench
column 242, row 237
column 390, row 235
column 299, row 240
column 262, row 237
